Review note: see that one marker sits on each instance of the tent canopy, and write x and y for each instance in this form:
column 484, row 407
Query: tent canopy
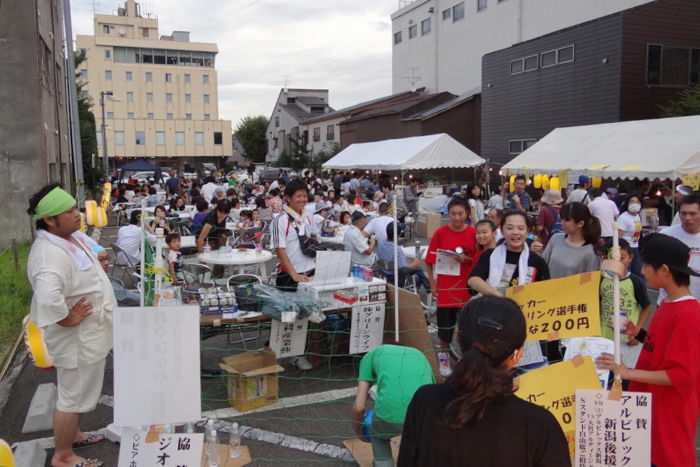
column 140, row 165
column 417, row 153
column 658, row 148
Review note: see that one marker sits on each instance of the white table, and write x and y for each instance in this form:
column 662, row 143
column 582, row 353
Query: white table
column 237, row 259
column 410, row 251
column 188, row 241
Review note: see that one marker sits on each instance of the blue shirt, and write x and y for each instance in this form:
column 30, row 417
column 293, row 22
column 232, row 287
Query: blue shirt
column 385, row 252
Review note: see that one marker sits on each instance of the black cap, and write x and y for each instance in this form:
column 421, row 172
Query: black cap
column 658, row 249
column 357, row 215
column 495, row 326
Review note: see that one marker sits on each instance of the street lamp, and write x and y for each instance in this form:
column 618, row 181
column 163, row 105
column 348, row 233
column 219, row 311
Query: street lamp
column 105, row 159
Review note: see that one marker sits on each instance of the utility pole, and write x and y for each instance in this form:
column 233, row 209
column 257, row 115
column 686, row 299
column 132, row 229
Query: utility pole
column 105, row 160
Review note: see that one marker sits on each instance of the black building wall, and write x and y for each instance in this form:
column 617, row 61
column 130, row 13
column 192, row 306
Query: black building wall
column 528, row 105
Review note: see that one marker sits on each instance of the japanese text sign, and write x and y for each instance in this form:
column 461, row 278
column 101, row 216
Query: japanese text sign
column 367, row 329
column 613, row 432
column 560, row 308
column 171, row 450
column 288, row 339
column 554, row 388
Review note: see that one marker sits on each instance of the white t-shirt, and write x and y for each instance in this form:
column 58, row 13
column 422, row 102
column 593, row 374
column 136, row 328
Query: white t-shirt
column 693, row 242
column 129, row 239
column 356, row 243
column 377, row 226
column 606, row 211
column 208, row 191
column 631, row 227
column 284, row 235
column 477, row 206
column 579, row 195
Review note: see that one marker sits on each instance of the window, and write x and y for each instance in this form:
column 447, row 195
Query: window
column 425, row 27
column 188, row 116
column 654, row 64
column 129, row 76
column 149, row 97
column 207, row 116
column 108, row 54
column 675, row 66
column 159, row 57
column 695, row 66
column 458, row 12
column 84, row 74
column 140, row 138
column 160, row 138
column 151, row 116
column 169, row 97
column 516, row 66
column 119, row 138
column 481, row 5
column 169, row 116
column 110, row 115
column 130, row 97
column 105, row 28
column 330, row 132
column 108, row 75
column 205, row 79
column 130, row 115
column 565, row 54
column 548, row 59
column 144, row 32
column 199, row 138
column 277, row 122
column 446, row 14
column 516, row 146
column 188, row 98
column 528, row 143
column 317, row 134
column 188, row 78
column 532, row 63
column 218, row 138
column 412, row 31
column 205, row 98
column 149, row 77
column 168, row 77
column 397, row 38
column 180, row 138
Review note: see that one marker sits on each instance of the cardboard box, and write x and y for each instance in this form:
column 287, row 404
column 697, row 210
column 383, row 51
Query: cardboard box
column 252, row 379
column 427, row 223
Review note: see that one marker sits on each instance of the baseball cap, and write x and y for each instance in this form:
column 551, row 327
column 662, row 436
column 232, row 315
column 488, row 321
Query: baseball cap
column 658, row 249
column 357, row 215
column 493, row 325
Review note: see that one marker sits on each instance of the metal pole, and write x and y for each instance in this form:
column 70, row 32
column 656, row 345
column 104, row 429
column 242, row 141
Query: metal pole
column 73, row 106
column 143, row 252
column 396, row 273
column 105, row 160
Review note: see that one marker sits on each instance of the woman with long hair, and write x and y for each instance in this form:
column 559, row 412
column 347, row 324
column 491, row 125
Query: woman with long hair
column 476, row 204
column 573, row 250
column 474, row 419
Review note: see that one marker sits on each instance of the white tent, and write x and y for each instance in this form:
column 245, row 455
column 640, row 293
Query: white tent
column 659, row 148
column 417, row 153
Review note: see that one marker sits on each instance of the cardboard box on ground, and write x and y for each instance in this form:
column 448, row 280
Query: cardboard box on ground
column 252, row 380
column 427, row 223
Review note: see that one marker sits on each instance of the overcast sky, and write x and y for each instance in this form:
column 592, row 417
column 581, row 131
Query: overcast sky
column 340, row 45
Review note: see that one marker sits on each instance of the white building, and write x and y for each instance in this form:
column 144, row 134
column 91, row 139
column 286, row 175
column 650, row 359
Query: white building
column 439, row 44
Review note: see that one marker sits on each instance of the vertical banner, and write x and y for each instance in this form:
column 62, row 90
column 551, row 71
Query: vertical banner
column 367, row 328
column 288, row 339
column 170, row 449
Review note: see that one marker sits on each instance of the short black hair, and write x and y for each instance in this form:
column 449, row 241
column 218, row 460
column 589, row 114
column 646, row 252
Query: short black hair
column 458, row 201
column 171, row 237
column 34, row 202
column 202, row 205
column 691, row 199
column 488, row 222
column 223, row 206
column 521, row 177
column 135, row 217
column 514, row 212
column 296, row 185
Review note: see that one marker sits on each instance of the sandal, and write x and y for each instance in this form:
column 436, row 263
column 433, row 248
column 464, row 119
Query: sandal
column 90, row 439
column 92, row 462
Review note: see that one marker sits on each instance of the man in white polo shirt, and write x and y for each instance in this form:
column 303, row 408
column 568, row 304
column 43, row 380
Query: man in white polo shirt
column 606, row 211
column 688, row 231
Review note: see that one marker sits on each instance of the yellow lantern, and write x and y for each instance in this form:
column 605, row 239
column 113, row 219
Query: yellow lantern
column 511, row 184
column 91, row 212
column 83, row 223
column 7, row 459
column 101, row 219
column 34, row 339
column 596, row 182
column 545, row 182
column 554, row 183
column 106, row 195
column 537, row 181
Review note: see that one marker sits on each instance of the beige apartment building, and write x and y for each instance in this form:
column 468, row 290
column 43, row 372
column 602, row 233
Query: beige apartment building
column 160, row 92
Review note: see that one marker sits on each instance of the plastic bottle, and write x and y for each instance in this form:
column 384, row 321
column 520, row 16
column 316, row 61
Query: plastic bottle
column 207, row 247
column 212, row 444
column 234, row 443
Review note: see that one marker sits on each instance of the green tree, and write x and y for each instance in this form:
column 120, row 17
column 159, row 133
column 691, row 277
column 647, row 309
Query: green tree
column 687, row 103
column 298, row 157
column 251, row 133
column 324, row 156
column 88, row 135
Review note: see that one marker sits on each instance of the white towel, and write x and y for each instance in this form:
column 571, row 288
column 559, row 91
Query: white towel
column 82, row 259
column 497, row 263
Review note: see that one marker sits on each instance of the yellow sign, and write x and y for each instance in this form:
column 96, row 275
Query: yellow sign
column 560, row 308
column 554, row 388
column 6, row 457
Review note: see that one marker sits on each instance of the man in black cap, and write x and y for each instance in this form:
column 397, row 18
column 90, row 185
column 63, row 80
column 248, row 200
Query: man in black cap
column 357, row 243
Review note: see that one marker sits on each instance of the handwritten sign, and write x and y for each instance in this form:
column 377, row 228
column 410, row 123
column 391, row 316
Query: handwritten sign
column 560, row 308
column 554, row 388
column 156, row 365
column 613, row 433
column 366, row 331
column 288, row 339
column 171, row 450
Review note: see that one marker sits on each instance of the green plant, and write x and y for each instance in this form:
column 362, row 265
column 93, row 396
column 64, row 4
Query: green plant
column 251, row 133
column 88, row 133
column 687, row 103
column 15, row 296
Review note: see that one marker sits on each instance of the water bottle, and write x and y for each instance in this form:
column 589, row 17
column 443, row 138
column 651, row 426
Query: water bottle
column 207, row 247
column 234, row 443
column 211, row 441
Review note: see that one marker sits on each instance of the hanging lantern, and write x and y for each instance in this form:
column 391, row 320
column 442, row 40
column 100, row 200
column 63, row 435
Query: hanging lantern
column 106, row 195
column 83, row 223
column 554, row 184
column 91, row 212
column 511, row 184
column 7, row 459
column 36, row 345
column 596, row 182
column 537, row 181
column 101, row 219
column 545, row 182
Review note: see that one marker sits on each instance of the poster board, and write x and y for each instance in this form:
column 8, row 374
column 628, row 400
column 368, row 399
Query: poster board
column 156, row 365
column 367, row 327
column 613, row 433
column 413, row 331
column 169, row 449
column 591, row 347
column 554, row 388
column 560, row 308
column 288, row 339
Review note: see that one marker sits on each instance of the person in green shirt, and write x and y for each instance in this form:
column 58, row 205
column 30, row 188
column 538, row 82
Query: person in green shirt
column 398, row 372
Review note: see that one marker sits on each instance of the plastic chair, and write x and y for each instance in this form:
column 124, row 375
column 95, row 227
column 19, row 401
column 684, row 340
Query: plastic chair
column 232, row 283
column 195, row 274
column 124, row 265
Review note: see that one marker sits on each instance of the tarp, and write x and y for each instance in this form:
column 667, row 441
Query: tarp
column 658, row 148
column 417, row 153
column 140, row 165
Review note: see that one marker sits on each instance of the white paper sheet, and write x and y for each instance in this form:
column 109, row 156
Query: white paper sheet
column 367, row 331
column 288, row 339
column 156, row 365
column 532, row 354
column 590, row 347
column 447, row 263
column 331, row 267
column 171, row 450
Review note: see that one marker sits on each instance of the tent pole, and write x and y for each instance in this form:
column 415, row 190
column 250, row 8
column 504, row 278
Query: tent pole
column 143, row 252
column 396, row 273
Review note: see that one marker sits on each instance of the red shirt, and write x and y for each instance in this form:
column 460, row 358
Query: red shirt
column 452, row 290
column 673, row 344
